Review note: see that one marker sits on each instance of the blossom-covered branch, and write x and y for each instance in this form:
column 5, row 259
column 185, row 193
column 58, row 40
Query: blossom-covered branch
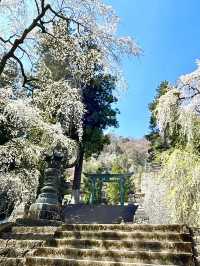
column 21, row 27
column 178, row 109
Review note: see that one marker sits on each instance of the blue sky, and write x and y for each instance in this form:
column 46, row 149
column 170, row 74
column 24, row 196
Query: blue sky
column 168, row 31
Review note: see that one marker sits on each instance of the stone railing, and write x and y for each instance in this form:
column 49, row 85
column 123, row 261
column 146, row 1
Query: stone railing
column 196, row 241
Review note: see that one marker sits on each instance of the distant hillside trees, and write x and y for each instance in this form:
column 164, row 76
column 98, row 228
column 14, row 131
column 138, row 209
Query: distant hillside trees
column 120, row 156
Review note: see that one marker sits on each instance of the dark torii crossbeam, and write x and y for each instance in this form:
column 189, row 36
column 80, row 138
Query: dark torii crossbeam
column 120, row 178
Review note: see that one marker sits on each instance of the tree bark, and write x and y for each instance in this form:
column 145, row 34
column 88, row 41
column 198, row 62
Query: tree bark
column 77, row 179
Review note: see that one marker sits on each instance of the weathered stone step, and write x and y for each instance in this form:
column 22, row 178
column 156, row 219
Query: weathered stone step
column 96, row 245
column 12, row 252
column 43, row 261
column 29, row 233
column 14, row 243
column 120, row 235
column 126, row 227
column 34, row 230
column 12, row 262
column 181, row 259
column 40, row 222
column 26, row 236
column 124, row 245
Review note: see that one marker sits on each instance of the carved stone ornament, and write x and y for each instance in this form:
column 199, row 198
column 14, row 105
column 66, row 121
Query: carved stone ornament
column 47, row 205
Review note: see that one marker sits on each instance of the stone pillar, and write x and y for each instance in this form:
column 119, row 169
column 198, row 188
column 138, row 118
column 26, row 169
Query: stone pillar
column 122, row 192
column 93, row 194
column 47, row 205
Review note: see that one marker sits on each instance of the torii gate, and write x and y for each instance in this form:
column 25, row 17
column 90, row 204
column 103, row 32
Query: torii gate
column 120, row 178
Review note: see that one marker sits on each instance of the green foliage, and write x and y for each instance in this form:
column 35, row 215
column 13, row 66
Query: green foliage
column 113, row 189
column 87, row 190
column 181, row 171
column 175, row 145
column 98, row 99
column 35, row 135
column 157, row 143
column 87, row 185
column 121, row 155
column 97, row 91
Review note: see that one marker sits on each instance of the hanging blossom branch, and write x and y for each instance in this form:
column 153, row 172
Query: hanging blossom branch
column 178, row 110
column 189, row 86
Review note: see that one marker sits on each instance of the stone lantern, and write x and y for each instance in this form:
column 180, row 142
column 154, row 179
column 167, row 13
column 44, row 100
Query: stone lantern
column 48, row 205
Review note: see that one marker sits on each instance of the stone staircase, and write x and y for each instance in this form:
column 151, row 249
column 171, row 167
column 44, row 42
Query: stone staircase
column 96, row 245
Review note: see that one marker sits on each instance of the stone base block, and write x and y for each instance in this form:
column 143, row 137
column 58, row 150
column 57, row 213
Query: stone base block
column 45, row 211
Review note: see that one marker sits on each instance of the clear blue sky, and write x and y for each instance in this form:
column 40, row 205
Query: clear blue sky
column 169, row 33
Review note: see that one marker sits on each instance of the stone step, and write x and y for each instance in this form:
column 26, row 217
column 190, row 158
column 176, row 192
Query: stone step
column 126, row 227
column 123, row 245
column 12, row 252
column 34, row 230
column 120, row 235
column 26, row 236
column 43, row 261
column 14, row 243
column 181, row 259
column 41, row 222
column 40, row 261
column 96, row 245
column 12, row 262
column 106, row 235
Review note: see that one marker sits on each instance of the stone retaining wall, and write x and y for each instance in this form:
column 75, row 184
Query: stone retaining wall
column 5, row 226
column 196, row 239
column 155, row 205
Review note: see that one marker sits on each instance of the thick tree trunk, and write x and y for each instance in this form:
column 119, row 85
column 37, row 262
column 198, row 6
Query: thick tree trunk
column 77, row 179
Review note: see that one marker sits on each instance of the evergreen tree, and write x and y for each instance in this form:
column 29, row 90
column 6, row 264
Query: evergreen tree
column 98, row 99
column 96, row 89
column 157, row 143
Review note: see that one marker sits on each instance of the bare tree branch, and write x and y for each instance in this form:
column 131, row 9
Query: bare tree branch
column 22, row 49
column 37, row 22
column 22, row 69
column 37, row 6
column 59, row 15
column 190, row 96
column 17, row 42
column 47, row 15
column 9, row 39
column 42, row 4
column 26, row 80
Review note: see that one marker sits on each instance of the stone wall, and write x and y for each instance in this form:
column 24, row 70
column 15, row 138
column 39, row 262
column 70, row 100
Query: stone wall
column 5, row 227
column 155, row 205
column 196, row 239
